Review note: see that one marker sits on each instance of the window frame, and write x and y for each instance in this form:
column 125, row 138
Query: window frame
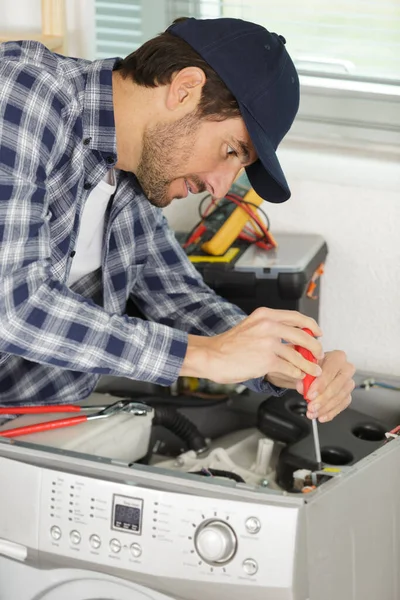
column 349, row 112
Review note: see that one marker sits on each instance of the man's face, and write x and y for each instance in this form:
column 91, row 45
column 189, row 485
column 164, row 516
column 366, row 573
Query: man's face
column 193, row 155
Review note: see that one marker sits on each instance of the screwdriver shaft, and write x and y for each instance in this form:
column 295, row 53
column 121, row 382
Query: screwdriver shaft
column 316, row 443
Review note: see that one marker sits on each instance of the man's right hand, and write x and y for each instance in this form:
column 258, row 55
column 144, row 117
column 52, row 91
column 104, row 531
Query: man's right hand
column 260, row 344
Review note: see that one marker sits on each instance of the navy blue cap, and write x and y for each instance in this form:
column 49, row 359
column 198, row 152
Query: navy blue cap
column 256, row 67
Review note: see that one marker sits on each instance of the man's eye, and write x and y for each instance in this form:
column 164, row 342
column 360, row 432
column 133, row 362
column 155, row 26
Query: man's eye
column 231, row 151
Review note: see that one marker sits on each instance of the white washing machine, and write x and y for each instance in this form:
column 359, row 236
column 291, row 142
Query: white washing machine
column 164, row 532
column 74, row 527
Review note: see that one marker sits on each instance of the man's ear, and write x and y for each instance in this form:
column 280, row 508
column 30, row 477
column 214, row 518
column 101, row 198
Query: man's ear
column 184, row 91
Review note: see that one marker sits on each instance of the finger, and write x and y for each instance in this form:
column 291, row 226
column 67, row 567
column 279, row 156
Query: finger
column 336, row 371
column 331, row 414
column 297, row 337
column 338, row 404
column 326, row 386
column 294, row 357
column 331, row 402
column 283, row 369
column 300, row 387
column 295, row 319
column 341, row 386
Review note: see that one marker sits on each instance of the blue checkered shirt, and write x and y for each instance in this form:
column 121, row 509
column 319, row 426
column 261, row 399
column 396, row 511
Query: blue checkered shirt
column 57, row 141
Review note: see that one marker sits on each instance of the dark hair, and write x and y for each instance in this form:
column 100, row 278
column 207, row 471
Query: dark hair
column 157, row 60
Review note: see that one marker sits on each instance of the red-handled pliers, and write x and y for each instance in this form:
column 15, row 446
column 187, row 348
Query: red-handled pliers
column 307, row 381
column 136, row 408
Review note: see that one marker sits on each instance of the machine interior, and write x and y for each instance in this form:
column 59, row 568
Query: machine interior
column 244, row 440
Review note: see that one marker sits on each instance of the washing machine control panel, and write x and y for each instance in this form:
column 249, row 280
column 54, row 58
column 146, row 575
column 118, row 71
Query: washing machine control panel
column 166, row 534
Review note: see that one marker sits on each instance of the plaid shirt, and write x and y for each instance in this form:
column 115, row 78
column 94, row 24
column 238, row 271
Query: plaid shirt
column 57, row 140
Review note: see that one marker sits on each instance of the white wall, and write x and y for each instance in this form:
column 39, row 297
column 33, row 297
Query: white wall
column 20, row 14
column 354, row 202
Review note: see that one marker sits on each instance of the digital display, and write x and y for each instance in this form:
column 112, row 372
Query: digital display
column 127, row 514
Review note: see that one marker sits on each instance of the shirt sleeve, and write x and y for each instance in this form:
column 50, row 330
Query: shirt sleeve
column 41, row 319
column 171, row 291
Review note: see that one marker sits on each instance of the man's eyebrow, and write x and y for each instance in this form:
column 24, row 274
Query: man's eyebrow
column 245, row 152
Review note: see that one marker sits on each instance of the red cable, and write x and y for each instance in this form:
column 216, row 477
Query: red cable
column 197, row 233
column 249, row 211
column 260, row 243
column 238, row 200
column 201, row 228
column 251, row 214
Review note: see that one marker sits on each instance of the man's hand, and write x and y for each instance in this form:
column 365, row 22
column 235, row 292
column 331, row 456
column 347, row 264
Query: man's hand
column 331, row 392
column 254, row 347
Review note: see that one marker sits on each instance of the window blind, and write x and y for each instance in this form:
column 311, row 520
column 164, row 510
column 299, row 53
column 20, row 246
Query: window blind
column 118, row 27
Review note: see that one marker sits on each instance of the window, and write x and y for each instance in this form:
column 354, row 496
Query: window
column 121, row 26
column 346, row 38
column 118, row 27
column 346, row 52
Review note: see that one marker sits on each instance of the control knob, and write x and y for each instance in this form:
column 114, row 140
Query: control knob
column 215, row 542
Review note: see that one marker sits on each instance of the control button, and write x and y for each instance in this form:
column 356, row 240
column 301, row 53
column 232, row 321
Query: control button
column 253, row 525
column 75, row 537
column 215, row 542
column 136, row 550
column 115, row 546
column 250, row 566
column 95, row 541
column 55, row 532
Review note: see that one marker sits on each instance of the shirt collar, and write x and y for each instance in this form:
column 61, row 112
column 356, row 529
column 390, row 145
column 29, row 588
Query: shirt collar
column 98, row 110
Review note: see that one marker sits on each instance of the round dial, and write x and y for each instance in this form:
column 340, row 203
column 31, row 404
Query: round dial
column 215, row 542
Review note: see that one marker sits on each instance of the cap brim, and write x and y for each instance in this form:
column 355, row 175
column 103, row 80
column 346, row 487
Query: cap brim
column 265, row 175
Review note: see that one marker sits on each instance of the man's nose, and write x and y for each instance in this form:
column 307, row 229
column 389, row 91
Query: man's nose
column 222, row 180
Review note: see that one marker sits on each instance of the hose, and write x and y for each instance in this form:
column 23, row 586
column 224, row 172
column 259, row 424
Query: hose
column 180, row 426
column 181, row 401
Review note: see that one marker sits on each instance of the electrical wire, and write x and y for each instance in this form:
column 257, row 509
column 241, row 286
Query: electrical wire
column 264, row 240
column 258, row 235
column 209, row 472
column 252, row 216
column 223, row 204
column 261, row 210
column 201, row 203
column 191, row 236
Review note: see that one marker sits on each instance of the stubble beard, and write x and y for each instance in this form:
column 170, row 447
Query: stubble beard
column 166, row 150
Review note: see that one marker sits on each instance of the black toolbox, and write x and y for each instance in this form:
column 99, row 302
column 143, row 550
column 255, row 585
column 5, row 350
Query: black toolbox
column 286, row 278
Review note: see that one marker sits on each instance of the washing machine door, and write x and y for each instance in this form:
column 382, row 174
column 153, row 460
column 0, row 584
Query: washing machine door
column 19, row 581
column 99, row 589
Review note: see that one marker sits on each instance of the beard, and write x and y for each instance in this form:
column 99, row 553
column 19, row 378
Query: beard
column 167, row 148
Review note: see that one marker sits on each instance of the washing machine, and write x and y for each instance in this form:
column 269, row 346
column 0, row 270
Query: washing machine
column 89, row 527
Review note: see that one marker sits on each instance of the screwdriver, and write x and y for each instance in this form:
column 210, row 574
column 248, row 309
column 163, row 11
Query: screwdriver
column 307, row 381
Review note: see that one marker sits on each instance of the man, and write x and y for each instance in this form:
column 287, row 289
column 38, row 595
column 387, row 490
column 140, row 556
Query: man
column 89, row 154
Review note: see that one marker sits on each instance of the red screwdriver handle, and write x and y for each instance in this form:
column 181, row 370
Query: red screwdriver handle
column 308, row 379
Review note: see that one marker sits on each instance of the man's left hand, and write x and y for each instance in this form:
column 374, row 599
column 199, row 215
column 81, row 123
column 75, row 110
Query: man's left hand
column 330, row 393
